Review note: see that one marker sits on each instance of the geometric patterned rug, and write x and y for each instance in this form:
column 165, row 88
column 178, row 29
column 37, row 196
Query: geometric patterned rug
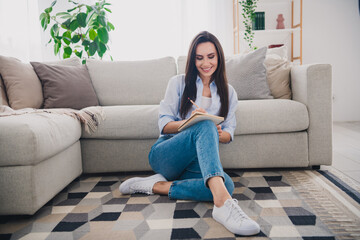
column 288, row 204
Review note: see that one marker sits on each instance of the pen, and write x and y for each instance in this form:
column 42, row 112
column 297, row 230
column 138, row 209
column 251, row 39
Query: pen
column 193, row 103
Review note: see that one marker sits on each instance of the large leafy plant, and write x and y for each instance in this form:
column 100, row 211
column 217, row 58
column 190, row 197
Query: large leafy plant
column 82, row 30
column 248, row 13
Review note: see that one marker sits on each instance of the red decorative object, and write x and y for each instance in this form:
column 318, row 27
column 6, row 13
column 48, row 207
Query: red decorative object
column 280, row 22
column 275, row 45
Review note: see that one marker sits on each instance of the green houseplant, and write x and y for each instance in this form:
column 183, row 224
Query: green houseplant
column 82, row 30
column 248, row 13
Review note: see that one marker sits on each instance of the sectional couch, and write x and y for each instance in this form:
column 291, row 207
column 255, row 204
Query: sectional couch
column 40, row 154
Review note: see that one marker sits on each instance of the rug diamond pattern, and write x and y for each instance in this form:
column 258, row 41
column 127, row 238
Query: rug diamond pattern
column 93, row 208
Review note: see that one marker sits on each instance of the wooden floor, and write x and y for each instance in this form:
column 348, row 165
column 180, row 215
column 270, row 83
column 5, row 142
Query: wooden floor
column 346, row 148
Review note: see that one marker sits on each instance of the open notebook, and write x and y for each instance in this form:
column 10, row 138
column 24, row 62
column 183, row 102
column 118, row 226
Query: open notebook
column 197, row 117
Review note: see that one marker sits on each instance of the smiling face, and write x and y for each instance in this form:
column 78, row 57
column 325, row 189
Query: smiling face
column 206, row 60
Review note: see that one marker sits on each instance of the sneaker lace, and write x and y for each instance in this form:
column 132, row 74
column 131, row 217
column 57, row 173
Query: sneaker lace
column 236, row 211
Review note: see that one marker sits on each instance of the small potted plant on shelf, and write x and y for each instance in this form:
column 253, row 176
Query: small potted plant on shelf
column 248, row 13
column 82, row 30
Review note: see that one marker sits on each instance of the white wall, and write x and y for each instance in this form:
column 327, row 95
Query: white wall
column 331, row 34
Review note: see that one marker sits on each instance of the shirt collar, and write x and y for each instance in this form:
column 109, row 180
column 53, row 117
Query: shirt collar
column 198, row 80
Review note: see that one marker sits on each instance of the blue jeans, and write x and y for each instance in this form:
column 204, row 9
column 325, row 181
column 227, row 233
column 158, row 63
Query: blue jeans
column 189, row 159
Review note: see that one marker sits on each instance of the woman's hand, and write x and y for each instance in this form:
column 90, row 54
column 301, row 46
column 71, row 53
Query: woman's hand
column 220, row 131
column 224, row 137
column 172, row 127
column 198, row 110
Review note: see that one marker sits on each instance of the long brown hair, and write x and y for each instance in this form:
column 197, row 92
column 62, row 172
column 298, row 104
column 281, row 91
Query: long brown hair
column 191, row 72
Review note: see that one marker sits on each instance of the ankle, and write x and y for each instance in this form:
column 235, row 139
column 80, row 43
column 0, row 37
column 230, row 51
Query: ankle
column 219, row 202
column 161, row 187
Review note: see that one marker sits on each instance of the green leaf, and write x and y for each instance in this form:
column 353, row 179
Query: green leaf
column 101, row 20
column 90, row 16
column 66, row 24
column 110, row 26
column 57, row 48
column 108, row 10
column 83, row 61
column 81, row 18
column 65, row 56
column 63, row 15
column 75, row 39
column 74, row 25
column 68, row 50
column 89, row 8
column 103, row 35
column 78, row 54
column 44, row 23
column 42, row 16
column 67, row 37
column 101, row 49
column 48, row 10
column 92, row 48
column 54, row 31
column 86, row 43
column 70, row 10
column 53, row 3
column 92, row 34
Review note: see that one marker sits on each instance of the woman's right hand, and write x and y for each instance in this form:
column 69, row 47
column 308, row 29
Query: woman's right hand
column 198, row 110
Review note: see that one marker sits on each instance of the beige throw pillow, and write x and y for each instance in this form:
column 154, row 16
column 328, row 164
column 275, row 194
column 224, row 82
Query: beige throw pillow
column 3, row 97
column 23, row 87
column 278, row 76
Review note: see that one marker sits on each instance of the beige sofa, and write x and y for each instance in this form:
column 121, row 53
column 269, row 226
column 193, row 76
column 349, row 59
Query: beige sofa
column 40, row 155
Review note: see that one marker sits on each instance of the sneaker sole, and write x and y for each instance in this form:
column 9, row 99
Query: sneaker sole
column 248, row 232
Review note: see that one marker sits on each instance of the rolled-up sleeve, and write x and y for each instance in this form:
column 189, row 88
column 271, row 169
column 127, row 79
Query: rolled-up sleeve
column 229, row 124
column 169, row 106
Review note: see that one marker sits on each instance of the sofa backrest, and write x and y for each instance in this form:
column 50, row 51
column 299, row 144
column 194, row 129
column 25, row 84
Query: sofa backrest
column 131, row 82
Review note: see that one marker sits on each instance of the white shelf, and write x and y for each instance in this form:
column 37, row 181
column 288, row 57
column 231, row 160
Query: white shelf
column 291, row 37
column 287, row 30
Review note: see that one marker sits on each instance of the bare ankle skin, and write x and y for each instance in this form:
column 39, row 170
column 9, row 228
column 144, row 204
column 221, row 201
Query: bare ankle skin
column 218, row 190
column 162, row 188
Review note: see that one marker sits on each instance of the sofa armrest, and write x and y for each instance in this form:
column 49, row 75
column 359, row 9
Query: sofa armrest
column 312, row 86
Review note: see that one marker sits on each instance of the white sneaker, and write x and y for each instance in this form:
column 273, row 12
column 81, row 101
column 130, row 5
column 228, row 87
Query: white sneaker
column 234, row 219
column 140, row 185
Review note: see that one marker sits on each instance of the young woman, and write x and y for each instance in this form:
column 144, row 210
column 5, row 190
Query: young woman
column 187, row 163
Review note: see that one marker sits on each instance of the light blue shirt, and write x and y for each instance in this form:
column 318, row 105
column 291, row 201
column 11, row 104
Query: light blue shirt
column 170, row 106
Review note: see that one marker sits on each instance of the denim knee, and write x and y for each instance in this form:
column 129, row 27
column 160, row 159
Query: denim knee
column 229, row 184
column 207, row 126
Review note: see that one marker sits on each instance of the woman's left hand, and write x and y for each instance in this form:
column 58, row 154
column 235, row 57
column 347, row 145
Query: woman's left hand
column 224, row 137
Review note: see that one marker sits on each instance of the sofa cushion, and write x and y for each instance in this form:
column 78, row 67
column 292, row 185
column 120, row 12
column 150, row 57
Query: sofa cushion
column 247, row 74
column 271, row 116
column 128, row 122
column 66, row 86
column 278, row 72
column 131, row 82
column 31, row 138
column 252, row 117
column 23, row 87
column 3, row 97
